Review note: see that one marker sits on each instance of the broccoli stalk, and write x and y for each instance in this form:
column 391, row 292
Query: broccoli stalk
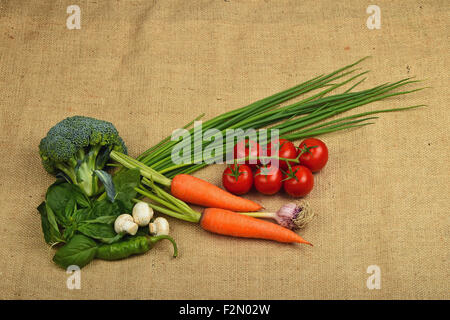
column 76, row 147
column 80, row 169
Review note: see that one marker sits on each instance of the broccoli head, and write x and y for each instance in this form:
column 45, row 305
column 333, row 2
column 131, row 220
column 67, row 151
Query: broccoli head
column 77, row 146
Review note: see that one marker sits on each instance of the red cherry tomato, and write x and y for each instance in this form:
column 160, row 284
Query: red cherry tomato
column 282, row 148
column 247, row 148
column 300, row 181
column 314, row 154
column 237, row 179
column 268, row 180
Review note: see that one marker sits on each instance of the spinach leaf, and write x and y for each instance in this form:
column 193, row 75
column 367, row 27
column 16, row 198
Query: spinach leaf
column 103, row 208
column 106, row 179
column 51, row 234
column 100, row 231
column 61, row 192
column 79, row 251
column 125, row 182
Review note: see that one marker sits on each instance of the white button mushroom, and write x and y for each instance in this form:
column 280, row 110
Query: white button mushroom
column 142, row 213
column 159, row 227
column 125, row 223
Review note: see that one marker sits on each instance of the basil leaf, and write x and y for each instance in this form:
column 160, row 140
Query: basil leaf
column 51, row 216
column 79, row 251
column 68, row 233
column 100, row 231
column 62, row 198
column 81, row 214
column 51, row 235
column 70, row 208
column 102, row 219
column 106, row 179
column 81, row 197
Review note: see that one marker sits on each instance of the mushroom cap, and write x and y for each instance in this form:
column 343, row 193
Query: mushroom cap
column 119, row 224
column 159, row 227
column 142, row 213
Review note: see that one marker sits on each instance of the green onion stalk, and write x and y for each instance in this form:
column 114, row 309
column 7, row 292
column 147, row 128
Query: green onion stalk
column 153, row 186
column 312, row 116
column 305, row 118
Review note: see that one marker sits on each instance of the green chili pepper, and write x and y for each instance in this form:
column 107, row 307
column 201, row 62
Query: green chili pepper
column 134, row 245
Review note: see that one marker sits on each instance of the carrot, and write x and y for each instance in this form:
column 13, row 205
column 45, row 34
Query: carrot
column 200, row 192
column 238, row 225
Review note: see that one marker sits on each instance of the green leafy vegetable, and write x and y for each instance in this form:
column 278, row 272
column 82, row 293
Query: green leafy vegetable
column 51, row 234
column 67, row 212
column 79, row 251
column 100, row 231
column 106, row 179
column 77, row 146
column 102, row 219
column 125, row 182
column 51, row 217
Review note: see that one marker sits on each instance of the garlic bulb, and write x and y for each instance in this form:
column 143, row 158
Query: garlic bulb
column 294, row 215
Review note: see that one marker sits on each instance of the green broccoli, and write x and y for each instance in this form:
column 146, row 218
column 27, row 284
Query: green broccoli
column 77, row 146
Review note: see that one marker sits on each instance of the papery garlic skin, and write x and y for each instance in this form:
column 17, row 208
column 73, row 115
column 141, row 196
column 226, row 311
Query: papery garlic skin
column 294, row 215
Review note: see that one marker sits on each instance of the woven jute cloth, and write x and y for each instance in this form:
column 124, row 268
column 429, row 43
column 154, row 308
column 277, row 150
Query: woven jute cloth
column 151, row 66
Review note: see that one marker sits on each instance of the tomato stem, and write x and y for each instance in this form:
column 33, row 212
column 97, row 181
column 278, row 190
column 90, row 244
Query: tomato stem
column 305, row 149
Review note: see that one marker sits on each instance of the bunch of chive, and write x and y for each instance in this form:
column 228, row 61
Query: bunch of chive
column 302, row 119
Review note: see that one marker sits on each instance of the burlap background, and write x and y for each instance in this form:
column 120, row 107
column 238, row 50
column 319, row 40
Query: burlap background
column 149, row 66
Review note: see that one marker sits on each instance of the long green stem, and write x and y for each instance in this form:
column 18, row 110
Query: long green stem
column 158, row 199
column 169, row 212
column 305, row 118
column 261, row 105
column 146, row 171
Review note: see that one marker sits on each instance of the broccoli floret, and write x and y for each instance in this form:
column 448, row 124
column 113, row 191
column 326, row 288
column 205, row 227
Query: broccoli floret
column 77, row 146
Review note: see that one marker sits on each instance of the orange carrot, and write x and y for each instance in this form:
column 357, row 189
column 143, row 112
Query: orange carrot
column 200, row 192
column 238, row 225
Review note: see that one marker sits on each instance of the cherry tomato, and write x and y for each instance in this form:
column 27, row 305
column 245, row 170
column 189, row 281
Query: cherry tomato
column 282, row 148
column 246, row 148
column 268, row 180
column 300, row 181
column 238, row 179
column 314, row 154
